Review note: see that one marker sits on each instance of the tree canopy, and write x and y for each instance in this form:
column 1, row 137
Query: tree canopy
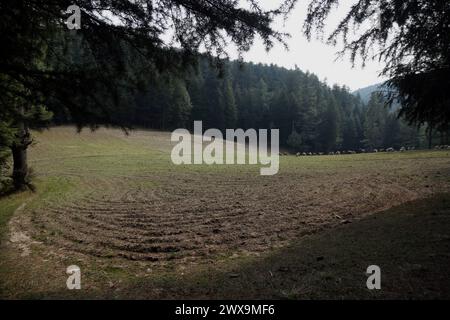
column 119, row 41
column 411, row 37
column 120, row 46
column 123, row 42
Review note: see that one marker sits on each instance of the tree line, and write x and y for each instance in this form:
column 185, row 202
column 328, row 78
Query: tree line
column 311, row 115
column 123, row 45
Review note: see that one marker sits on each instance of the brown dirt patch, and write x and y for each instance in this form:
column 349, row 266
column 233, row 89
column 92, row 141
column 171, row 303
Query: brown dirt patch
column 200, row 217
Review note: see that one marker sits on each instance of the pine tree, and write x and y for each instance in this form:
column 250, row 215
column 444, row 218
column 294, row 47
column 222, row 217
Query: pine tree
column 230, row 105
column 375, row 122
column 179, row 106
column 295, row 141
column 413, row 37
column 328, row 129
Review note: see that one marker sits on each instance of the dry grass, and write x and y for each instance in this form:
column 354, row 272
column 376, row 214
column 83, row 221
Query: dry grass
column 116, row 206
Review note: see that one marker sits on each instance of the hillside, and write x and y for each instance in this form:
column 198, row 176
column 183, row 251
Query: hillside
column 366, row 92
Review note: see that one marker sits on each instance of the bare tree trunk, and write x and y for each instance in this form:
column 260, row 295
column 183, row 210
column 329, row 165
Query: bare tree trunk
column 19, row 153
column 20, row 167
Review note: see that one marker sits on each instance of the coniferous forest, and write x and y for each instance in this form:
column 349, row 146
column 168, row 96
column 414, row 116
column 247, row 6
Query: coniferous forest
column 311, row 115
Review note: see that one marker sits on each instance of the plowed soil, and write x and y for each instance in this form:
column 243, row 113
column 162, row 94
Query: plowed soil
column 127, row 205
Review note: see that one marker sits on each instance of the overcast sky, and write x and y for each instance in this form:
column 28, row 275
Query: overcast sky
column 315, row 56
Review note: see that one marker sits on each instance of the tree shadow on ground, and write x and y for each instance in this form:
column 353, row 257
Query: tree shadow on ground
column 410, row 243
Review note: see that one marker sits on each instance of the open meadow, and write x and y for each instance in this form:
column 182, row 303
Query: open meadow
column 140, row 227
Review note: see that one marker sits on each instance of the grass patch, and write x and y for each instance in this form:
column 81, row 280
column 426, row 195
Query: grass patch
column 8, row 205
column 52, row 189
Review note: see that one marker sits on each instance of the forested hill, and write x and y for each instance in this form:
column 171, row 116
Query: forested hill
column 311, row 115
column 366, row 92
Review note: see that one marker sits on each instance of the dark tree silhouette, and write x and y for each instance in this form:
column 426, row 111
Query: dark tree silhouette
column 412, row 37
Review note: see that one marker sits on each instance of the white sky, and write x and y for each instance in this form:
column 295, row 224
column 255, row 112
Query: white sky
column 315, row 56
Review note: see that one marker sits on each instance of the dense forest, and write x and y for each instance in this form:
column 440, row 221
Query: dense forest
column 311, row 116
column 87, row 75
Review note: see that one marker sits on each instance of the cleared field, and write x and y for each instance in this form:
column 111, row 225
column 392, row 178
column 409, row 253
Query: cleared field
column 116, row 206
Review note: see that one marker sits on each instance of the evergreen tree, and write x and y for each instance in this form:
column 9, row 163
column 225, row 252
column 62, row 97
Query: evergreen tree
column 328, row 129
column 414, row 38
column 375, row 122
column 295, row 141
column 179, row 106
column 230, row 105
